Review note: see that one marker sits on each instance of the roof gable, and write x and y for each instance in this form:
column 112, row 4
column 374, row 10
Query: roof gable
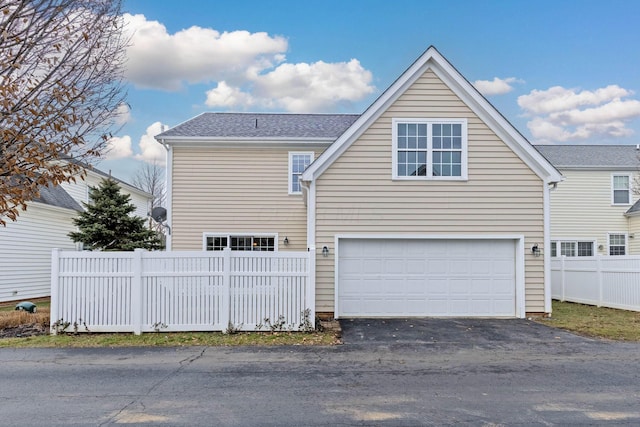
column 431, row 59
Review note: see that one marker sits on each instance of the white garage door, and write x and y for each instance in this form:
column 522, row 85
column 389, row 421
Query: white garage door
column 412, row 277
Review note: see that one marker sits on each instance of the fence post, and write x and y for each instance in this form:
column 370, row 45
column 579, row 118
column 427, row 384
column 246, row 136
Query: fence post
column 225, row 317
column 562, row 278
column 599, row 273
column 136, row 292
column 55, row 289
column 311, row 286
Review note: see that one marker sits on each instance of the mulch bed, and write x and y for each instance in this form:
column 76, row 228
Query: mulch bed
column 22, row 331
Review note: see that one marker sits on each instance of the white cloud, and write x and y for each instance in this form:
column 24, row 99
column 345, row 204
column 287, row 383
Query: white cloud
column 558, row 98
column 248, row 69
column 496, row 86
column 118, row 148
column 159, row 60
column 561, row 115
column 227, row 96
column 123, row 114
column 301, row 87
column 151, row 151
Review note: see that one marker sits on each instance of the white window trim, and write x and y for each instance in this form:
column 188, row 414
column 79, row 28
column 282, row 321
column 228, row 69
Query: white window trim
column 289, row 172
column 238, row 234
column 464, row 150
column 630, row 197
column 576, row 240
column 626, row 242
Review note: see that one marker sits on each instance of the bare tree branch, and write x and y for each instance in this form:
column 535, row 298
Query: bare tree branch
column 61, row 68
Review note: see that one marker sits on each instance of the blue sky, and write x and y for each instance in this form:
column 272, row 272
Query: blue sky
column 560, row 71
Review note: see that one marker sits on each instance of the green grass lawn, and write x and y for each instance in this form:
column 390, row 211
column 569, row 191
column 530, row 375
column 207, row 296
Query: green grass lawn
column 599, row 322
column 582, row 319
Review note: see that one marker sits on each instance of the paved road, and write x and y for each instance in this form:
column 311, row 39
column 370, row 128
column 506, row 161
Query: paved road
column 396, row 373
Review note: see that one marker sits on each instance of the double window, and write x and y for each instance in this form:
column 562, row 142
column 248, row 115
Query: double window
column 430, row 149
column 218, row 242
column 621, row 189
column 298, row 162
column 572, row 248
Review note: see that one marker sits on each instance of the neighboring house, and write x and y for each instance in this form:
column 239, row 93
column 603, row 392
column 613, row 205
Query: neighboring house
column 593, row 211
column 428, row 204
column 26, row 244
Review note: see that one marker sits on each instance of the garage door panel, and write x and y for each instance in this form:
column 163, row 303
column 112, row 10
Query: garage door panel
column 420, row 277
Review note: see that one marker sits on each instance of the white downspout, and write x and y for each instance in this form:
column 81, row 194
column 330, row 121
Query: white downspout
column 309, row 190
column 169, row 198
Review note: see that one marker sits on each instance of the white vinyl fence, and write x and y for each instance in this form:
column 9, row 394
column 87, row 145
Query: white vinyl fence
column 607, row 281
column 182, row 291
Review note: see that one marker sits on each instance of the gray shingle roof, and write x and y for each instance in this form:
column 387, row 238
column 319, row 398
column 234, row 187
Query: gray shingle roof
column 592, row 156
column 262, row 125
column 56, row 196
column 635, row 208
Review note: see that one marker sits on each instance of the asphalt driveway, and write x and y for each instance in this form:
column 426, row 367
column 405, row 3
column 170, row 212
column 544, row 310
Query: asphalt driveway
column 402, row 372
column 454, row 333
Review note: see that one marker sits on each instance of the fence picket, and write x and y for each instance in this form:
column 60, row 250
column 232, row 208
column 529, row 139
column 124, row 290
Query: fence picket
column 178, row 291
column 608, row 281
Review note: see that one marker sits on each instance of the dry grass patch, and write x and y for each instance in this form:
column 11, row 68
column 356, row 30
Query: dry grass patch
column 598, row 322
column 14, row 318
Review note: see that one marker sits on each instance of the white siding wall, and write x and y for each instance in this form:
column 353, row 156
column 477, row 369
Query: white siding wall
column 25, row 251
column 581, row 208
column 356, row 194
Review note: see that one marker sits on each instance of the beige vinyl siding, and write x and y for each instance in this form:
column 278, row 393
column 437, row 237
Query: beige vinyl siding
column 25, row 251
column 235, row 190
column 634, row 228
column 581, row 208
column 357, row 195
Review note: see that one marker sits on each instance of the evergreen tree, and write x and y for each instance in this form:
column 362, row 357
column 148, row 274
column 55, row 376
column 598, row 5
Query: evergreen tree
column 107, row 223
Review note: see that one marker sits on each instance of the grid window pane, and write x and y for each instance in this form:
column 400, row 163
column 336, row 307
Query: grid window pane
column 617, row 244
column 585, row 249
column 299, row 162
column 568, row 248
column 554, row 249
column 417, row 144
column 215, row 243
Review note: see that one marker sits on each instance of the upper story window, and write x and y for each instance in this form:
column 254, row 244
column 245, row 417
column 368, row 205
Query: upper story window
column 430, row 149
column 617, row 244
column 298, row 162
column 239, row 243
column 621, row 189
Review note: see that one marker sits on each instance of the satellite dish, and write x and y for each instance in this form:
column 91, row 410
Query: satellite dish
column 159, row 214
